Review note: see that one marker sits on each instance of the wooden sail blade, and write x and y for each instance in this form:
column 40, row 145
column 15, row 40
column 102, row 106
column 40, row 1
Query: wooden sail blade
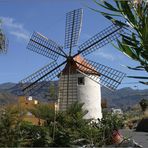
column 44, row 46
column 33, row 82
column 104, row 75
column 73, row 27
column 99, row 40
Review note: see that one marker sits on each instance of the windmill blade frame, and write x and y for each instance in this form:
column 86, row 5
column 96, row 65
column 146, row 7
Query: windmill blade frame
column 46, row 47
column 104, row 75
column 100, row 39
column 40, row 44
column 40, row 77
column 73, row 28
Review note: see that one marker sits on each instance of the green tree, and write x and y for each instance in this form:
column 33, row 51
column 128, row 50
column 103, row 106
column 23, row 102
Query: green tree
column 108, row 124
column 10, row 133
column 52, row 90
column 69, row 128
column 45, row 112
column 132, row 15
column 70, row 123
column 14, row 132
column 35, row 136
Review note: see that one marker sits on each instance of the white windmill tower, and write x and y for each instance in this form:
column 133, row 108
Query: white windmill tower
column 80, row 78
column 77, row 85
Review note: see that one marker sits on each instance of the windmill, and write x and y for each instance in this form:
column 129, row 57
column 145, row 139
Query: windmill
column 80, row 78
column 3, row 41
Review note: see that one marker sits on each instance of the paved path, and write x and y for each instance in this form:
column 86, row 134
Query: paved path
column 140, row 137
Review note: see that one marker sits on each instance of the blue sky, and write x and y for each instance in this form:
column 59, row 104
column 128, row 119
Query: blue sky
column 22, row 17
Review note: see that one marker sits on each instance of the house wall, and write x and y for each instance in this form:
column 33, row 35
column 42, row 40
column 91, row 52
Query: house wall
column 89, row 94
column 67, row 93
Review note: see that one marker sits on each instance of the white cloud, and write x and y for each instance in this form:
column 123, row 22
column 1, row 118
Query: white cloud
column 105, row 55
column 19, row 34
column 14, row 28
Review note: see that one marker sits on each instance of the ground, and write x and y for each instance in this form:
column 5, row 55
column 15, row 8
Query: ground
column 140, row 137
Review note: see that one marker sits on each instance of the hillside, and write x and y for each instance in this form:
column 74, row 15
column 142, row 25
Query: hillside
column 124, row 97
column 120, row 98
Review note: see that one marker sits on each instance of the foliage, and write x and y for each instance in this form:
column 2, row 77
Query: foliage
column 10, row 134
column 52, row 90
column 144, row 104
column 110, row 123
column 134, row 17
column 43, row 111
column 35, row 136
column 71, row 122
column 80, row 131
column 61, row 129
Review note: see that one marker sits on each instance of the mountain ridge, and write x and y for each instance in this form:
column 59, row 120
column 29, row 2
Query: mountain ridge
column 122, row 98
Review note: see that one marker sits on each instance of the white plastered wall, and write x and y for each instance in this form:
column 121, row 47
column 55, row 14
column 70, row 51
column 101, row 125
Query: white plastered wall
column 90, row 95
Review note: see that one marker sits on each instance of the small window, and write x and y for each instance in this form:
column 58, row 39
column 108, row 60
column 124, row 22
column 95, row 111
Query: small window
column 81, row 81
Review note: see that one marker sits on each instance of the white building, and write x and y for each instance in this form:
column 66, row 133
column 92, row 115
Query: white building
column 75, row 85
column 117, row 111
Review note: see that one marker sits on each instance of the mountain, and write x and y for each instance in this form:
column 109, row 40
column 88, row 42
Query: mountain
column 122, row 98
column 7, row 98
column 5, row 86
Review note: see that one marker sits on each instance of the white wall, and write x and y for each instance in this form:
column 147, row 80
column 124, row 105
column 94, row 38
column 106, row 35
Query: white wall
column 90, row 94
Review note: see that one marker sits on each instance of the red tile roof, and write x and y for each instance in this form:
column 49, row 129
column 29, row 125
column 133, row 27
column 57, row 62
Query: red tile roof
column 79, row 64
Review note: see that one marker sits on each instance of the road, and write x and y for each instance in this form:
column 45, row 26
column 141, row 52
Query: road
column 140, row 137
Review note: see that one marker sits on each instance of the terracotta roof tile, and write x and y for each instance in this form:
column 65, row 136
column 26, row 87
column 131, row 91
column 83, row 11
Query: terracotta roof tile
column 80, row 64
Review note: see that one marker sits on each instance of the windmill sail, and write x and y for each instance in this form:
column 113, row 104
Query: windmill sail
column 44, row 46
column 108, row 77
column 73, row 27
column 104, row 75
column 77, row 80
column 40, row 78
column 99, row 40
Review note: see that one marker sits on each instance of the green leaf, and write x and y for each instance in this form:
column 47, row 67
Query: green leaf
column 145, row 83
column 118, row 5
column 137, row 77
column 134, row 41
column 109, row 17
column 115, row 46
column 109, row 14
column 128, row 13
column 129, row 43
column 100, row 4
column 126, row 50
column 140, row 68
column 131, row 38
column 110, row 7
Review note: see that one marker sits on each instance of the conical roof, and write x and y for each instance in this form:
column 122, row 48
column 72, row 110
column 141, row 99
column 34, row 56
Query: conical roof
column 79, row 64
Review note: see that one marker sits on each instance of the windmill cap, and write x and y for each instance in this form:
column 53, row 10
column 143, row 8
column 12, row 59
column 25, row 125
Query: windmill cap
column 79, row 64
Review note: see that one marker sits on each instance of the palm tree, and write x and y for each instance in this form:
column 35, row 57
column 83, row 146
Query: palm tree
column 134, row 16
